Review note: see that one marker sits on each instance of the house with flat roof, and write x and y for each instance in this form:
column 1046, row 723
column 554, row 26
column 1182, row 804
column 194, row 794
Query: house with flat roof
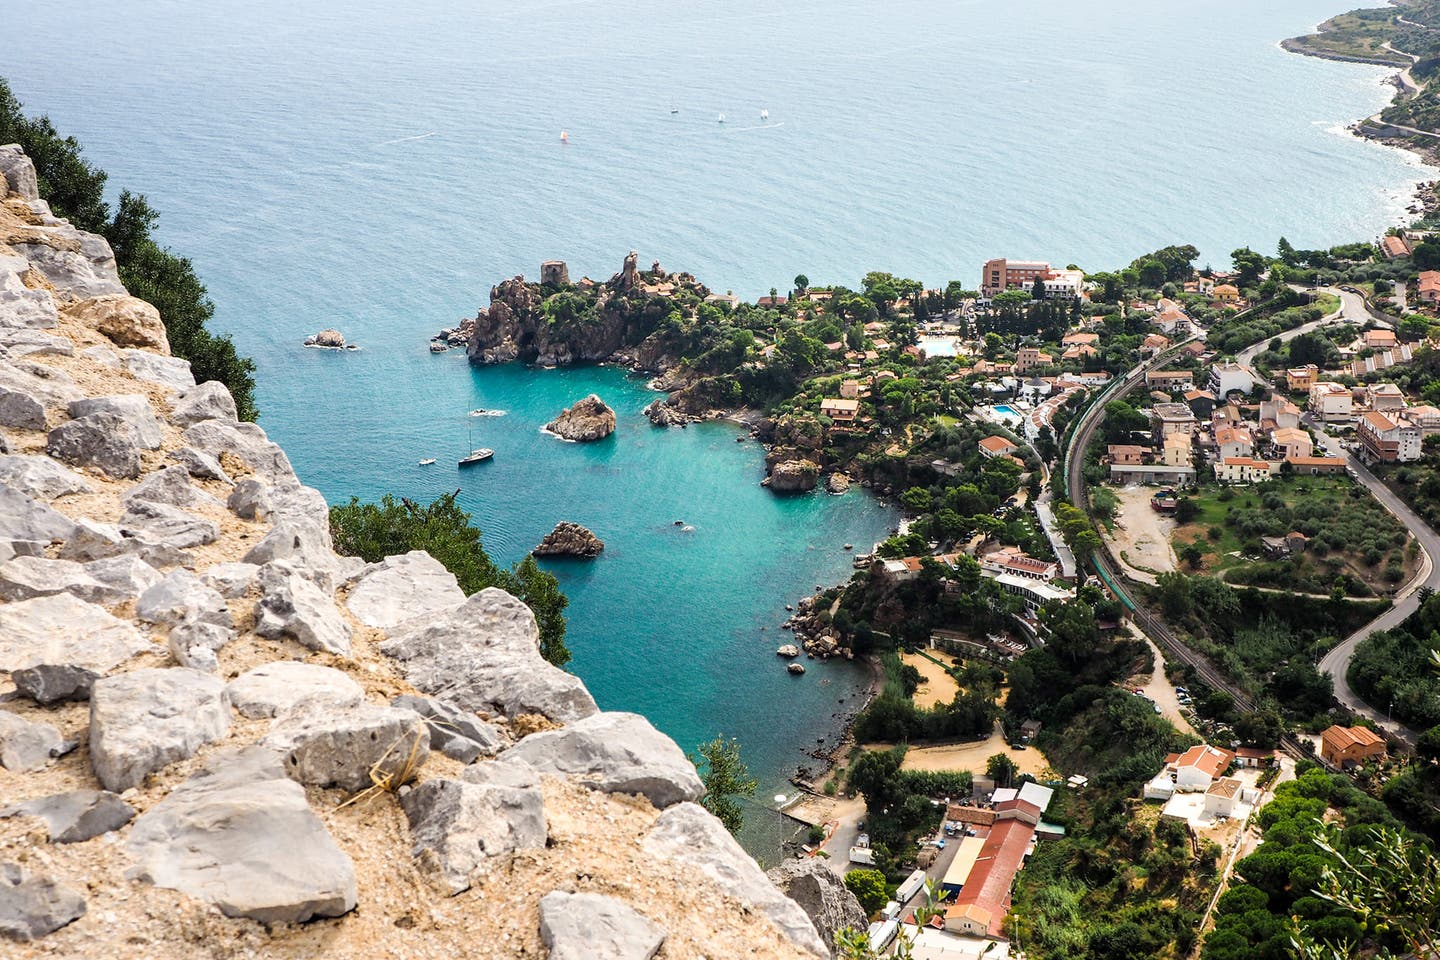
column 1177, row 476
column 1342, row 746
column 1316, row 466
column 1230, row 377
column 1330, row 401
column 1301, row 379
column 1170, row 380
column 1171, row 418
column 1292, row 442
column 1126, row 453
column 1001, row 274
column 1384, row 397
column 1386, row 440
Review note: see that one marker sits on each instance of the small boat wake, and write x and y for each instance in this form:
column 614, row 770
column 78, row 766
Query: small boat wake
column 423, row 136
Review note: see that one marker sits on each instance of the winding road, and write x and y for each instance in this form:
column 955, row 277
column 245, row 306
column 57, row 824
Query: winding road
column 1335, row 663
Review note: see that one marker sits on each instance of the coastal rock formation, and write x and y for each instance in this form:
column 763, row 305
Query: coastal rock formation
column 836, row 483
column 179, row 608
column 820, row 892
column 569, row 540
column 332, row 339
column 663, row 413
column 792, row 476
column 589, row 419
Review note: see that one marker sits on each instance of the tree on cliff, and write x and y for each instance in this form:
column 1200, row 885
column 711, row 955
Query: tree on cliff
column 374, row 531
column 726, row 779
column 75, row 189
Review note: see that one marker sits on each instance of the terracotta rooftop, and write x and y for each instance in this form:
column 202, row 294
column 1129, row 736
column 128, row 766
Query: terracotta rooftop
column 1208, row 759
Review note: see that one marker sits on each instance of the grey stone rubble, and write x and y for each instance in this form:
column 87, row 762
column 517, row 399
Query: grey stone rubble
column 292, row 606
column 821, row 893
column 62, row 630
column 241, row 836
column 272, row 689
column 41, row 477
column 351, row 746
column 133, row 408
column 457, row 824
column 484, row 656
column 32, row 906
column 144, row 720
column 172, row 486
column 396, row 589
column 24, row 578
column 201, row 465
column 167, row 525
column 458, row 734
column 48, row 683
column 688, row 833
column 181, row 597
column 27, row 745
column 588, row 926
column 615, row 752
column 102, row 440
column 76, row 816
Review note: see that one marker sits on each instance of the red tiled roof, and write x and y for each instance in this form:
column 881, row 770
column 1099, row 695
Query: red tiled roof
column 997, row 444
column 994, row 873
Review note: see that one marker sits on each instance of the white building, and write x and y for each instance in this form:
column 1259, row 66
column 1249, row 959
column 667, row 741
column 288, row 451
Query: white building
column 1225, row 377
column 1033, row 592
column 1244, row 470
column 1330, row 401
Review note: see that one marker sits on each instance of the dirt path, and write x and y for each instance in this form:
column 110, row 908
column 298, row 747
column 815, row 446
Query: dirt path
column 937, row 686
column 1141, row 535
column 1159, row 690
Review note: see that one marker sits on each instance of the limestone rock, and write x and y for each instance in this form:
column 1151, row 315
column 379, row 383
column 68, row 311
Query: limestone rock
column 195, row 643
column 28, row 526
column 836, row 483
column 48, row 683
column 456, row 824
column 588, row 926
column 210, row 400
column 25, row 342
column 76, row 816
column 458, row 734
column 27, row 745
column 32, row 906
column 821, row 893
column 245, row 442
column 103, row 440
column 91, row 541
column 181, row 597
column 241, row 836
column 134, row 408
column 41, row 477
column 272, row 689
column 17, row 173
column 291, row 606
column 80, row 266
column 24, row 578
column 63, row 630
column 172, row 486
column 324, row 743
column 250, row 500
column 128, row 575
column 171, row 372
column 128, row 321
column 48, row 385
column 201, row 465
column 617, row 753
column 569, row 540
column 662, row 413
column 20, row 409
column 791, row 476
column 305, row 546
column 333, row 339
column 688, row 833
column 166, row 525
column 484, row 656
column 22, row 307
column 400, row 588
column 230, row 580
column 147, row 719
column 589, row 419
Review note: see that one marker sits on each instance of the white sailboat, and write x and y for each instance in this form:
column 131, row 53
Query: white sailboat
column 721, row 119
column 764, row 114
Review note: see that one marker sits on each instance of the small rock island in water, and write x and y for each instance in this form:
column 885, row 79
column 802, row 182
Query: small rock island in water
column 590, row 419
column 569, row 540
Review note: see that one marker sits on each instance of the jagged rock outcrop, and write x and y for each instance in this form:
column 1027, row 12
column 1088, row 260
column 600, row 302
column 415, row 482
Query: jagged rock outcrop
column 569, row 540
column 793, row 476
column 821, row 893
column 588, row 420
column 836, row 483
column 663, row 413
column 155, row 548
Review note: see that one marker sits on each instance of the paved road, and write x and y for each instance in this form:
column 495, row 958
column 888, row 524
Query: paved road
column 1352, row 310
column 1337, row 661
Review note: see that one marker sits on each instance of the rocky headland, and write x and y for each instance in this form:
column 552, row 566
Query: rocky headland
column 569, row 540
column 219, row 738
column 588, row 420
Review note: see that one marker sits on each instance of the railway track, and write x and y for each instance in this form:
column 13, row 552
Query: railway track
column 1109, row 571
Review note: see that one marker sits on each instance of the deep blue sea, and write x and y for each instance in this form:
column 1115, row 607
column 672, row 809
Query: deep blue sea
column 376, row 167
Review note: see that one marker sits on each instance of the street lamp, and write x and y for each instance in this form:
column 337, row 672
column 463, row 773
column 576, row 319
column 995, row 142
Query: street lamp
column 780, row 818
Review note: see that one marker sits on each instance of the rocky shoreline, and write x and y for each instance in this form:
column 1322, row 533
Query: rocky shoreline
column 215, row 730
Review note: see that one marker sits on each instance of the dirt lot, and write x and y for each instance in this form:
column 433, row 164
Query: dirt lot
column 1142, row 536
column 972, row 756
column 937, row 686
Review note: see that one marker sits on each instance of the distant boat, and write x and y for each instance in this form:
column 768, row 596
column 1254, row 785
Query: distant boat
column 722, row 118
column 427, row 462
column 674, row 109
column 477, row 456
column 564, row 137
column 764, row 114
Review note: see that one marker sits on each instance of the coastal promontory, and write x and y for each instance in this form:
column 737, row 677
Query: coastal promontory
column 588, row 420
column 569, row 540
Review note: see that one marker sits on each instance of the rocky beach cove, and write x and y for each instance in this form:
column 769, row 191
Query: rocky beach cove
column 216, row 727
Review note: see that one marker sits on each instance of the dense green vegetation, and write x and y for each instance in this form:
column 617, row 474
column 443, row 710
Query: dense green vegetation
column 375, row 531
column 75, row 189
column 1355, row 545
column 1397, row 670
column 727, row 780
column 1281, row 877
column 893, row 717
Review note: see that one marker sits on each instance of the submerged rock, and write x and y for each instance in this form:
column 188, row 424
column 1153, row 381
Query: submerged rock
column 589, row 419
column 569, row 540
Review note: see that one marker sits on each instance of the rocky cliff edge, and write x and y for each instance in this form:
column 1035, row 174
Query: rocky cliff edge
column 218, row 738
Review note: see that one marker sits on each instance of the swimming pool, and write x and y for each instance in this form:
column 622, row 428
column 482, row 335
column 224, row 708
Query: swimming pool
column 1005, row 410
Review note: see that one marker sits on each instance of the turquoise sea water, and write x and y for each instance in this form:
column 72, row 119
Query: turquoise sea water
column 377, row 167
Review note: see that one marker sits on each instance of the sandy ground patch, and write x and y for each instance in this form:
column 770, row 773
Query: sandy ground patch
column 937, row 686
column 1142, row 534
column 1159, row 690
column 972, row 756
